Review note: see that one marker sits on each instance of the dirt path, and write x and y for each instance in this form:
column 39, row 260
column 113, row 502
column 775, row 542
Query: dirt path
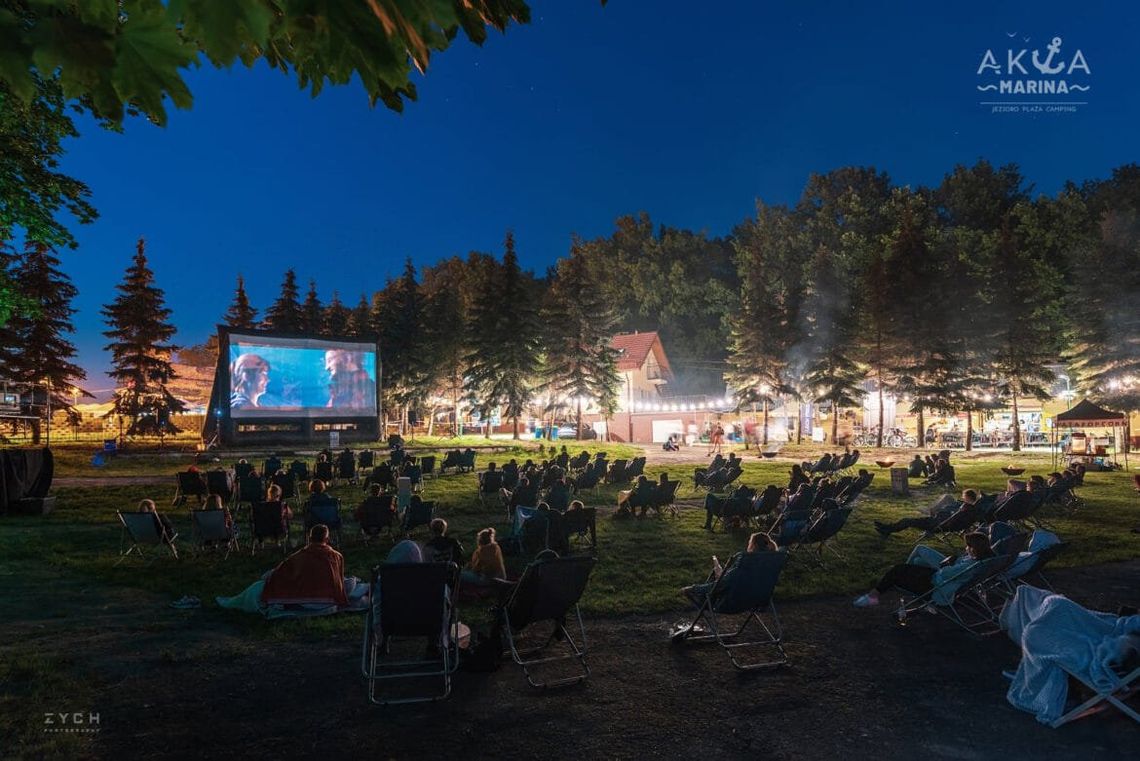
column 171, row 684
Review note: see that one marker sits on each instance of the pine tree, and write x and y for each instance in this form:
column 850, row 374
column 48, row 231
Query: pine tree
column 360, row 321
column 140, row 351
column 284, row 315
column 401, row 322
column 40, row 355
column 336, row 317
column 504, row 339
column 312, row 313
column 579, row 321
column 241, row 314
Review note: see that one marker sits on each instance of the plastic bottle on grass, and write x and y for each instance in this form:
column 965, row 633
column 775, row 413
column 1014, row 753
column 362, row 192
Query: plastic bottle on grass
column 900, row 615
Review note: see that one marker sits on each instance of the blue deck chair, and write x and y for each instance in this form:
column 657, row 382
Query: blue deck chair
column 822, row 532
column 267, row 524
column 418, row 514
column 961, row 597
column 548, row 592
column 190, row 484
column 745, row 588
column 411, row 601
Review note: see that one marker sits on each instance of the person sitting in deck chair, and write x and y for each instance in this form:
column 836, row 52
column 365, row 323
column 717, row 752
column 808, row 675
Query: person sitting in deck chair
column 525, row 494
column 926, row 568
column 487, row 567
column 758, row 542
column 376, row 498
column 273, row 497
column 798, row 477
column 442, row 548
column 162, row 524
column 314, row 573
column 937, row 517
column 943, row 474
column 917, row 468
column 318, row 497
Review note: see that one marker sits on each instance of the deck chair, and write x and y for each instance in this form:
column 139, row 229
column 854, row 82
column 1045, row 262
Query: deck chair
column 327, row 513
column 141, row 530
column 268, row 525
column 411, row 601
column 375, row 516
column 581, row 526
column 346, row 468
column 403, row 493
column 324, row 471
column 617, row 472
column 1028, row 566
column 418, row 514
column 219, row 482
column 635, row 468
column 582, row 459
column 365, row 460
column 466, row 461
column 300, row 470
column 248, row 491
column 745, row 588
column 427, row 467
column 190, row 485
column 1127, row 686
column 415, row 474
column 790, row 527
column 271, row 466
column 822, row 532
column 548, row 591
column 209, row 532
column 961, row 597
column 241, row 470
column 1017, row 509
column 767, row 501
column 381, row 474
column 665, row 497
column 490, row 482
column 288, row 485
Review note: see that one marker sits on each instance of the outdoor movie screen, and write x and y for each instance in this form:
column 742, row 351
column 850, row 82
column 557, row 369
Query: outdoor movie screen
column 301, row 377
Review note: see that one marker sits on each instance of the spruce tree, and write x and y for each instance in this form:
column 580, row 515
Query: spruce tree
column 140, row 352
column 360, row 321
column 401, row 322
column 578, row 322
column 504, row 338
column 312, row 313
column 284, row 315
column 241, row 314
column 40, row 354
column 336, row 317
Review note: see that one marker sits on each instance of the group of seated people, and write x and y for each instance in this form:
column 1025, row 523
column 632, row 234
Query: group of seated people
column 530, row 483
column 386, row 474
column 647, row 495
column 832, row 462
column 720, row 472
column 802, row 502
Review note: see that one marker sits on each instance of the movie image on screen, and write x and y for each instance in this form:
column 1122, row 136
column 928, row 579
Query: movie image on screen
column 301, row 377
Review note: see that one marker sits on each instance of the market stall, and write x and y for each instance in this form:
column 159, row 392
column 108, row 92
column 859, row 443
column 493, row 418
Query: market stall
column 1081, row 447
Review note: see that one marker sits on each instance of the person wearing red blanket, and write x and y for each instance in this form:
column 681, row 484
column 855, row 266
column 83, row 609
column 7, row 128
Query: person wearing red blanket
column 314, row 573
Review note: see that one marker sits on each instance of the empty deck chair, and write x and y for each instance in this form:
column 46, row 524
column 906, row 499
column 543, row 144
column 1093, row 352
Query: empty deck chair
column 324, row 471
column 419, row 513
column 376, row 515
column 427, row 467
column 548, row 592
column 581, row 528
column 745, row 588
column 142, row 530
column 209, row 531
column 219, row 482
column 411, row 601
column 822, row 532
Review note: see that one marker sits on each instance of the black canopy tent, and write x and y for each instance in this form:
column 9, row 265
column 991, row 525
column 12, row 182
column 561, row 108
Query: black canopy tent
column 1088, row 415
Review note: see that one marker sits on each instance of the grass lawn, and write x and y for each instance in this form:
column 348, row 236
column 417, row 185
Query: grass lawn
column 642, row 562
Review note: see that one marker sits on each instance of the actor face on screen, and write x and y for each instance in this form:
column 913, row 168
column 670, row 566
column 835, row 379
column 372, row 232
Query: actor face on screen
column 249, row 376
column 350, row 387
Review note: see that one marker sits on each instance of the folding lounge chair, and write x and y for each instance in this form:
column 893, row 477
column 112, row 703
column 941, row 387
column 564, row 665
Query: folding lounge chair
column 1126, row 686
column 417, row 601
column 327, row 513
column 267, row 525
column 219, row 482
column 822, row 532
column 790, row 527
column 377, row 516
column 617, row 473
column 427, row 467
column 416, row 515
column 466, row 462
column 961, row 597
column 190, row 485
column 549, row 590
column 1017, row 509
column 141, row 530
column 766, row 502
column 1028, row 566
column 248, row 491
column 490, row 482
column 665, row 497
column 209, row 531
column 745, row 588
column 241, row 470
column 324, row 472
column 582, row 526
column 300, row 470
column 635, row 468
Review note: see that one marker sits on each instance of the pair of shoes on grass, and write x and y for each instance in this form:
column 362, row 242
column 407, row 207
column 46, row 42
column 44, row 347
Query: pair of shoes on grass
column 186, row 603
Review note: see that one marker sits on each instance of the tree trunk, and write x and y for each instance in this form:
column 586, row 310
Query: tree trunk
column 969, row 430
column 921, row 428
column 515, row 423
column 834, row 422
column 765, row 441
column 455, row 408
column 799, row 423
column 578, row 432
column 1016, row 423
column 879, row 438
column 36, row 431
column 431, row 421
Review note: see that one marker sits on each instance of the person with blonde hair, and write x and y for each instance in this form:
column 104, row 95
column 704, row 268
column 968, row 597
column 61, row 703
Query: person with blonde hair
column 487, row 561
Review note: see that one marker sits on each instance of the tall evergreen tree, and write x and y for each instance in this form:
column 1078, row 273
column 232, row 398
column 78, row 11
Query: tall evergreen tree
column 360, row 321
column 140, row 352
column 504, row 339
column 579, row 319
column 41, row 355
column 336, row 317
column 401, row 321
column 284, row 315
column 241, row 314
column 312, row 313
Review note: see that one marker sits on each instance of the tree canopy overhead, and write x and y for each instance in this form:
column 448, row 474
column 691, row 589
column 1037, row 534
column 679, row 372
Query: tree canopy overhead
column 123, row 57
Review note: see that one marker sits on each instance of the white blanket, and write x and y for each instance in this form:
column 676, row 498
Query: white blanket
column 1053, row 631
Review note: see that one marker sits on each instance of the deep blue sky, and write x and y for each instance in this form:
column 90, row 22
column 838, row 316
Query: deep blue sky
column 689, row 111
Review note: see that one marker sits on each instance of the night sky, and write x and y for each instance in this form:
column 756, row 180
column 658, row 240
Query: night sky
column 685, row 111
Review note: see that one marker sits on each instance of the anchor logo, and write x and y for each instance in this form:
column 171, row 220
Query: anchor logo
column 1054, row 48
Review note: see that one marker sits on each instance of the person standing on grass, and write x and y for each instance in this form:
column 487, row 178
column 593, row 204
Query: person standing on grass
column 716, row 439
